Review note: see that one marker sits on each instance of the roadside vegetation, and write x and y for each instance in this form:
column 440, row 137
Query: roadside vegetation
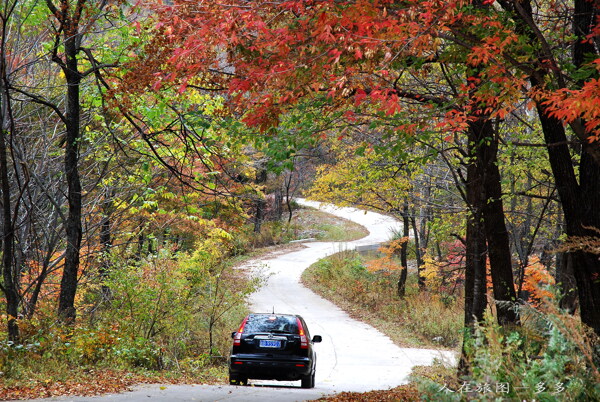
column 550, row 356
column 164, row 318
column 426, row 319
column 309, row 223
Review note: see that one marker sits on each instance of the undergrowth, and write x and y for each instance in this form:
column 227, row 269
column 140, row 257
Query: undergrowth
column 552, row 356
column 163, row 317
column 307, row 223
column 422, row 318
column 168, row 315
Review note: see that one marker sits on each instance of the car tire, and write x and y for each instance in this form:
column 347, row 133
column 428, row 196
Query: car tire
column 308, row 381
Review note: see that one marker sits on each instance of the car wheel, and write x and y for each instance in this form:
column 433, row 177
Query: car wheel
column 308, row 381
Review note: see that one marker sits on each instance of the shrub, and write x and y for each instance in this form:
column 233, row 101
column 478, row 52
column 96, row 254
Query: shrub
column 552, row 357
column 161, row 310
column 140, row 352
column 184, row 304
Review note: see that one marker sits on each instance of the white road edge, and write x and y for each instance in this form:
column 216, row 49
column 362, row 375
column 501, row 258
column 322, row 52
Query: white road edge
column 353, row 355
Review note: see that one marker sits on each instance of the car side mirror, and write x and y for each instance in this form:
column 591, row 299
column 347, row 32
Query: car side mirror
column 317, row 339
column 233, row 334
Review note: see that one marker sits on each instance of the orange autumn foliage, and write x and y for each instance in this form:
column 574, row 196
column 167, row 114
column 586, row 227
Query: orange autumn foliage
column 387, row 263
column 536, row 279
column 535, row 282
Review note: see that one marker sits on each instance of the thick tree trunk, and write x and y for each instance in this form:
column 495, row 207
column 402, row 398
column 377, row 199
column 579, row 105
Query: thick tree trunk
column 565, row 277
column 498, row 243
column 68, row 285
column 587, row 265
column 475, row 264
column 475, row 250
column 579, row 200
column 582, row 216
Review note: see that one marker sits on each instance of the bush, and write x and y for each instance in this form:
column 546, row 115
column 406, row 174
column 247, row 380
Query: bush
column 162, row 310
column 185, row 304
column 552, row 357
column 140, row 352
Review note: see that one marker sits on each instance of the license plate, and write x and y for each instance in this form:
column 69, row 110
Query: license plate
column 263, row 343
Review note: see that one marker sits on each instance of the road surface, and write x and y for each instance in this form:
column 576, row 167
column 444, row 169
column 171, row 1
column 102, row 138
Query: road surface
column 352, row 357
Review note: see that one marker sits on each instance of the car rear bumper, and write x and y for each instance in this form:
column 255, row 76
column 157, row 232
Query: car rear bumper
column 269, row 369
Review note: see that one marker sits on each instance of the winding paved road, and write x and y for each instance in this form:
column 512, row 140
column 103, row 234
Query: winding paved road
column 352, row 357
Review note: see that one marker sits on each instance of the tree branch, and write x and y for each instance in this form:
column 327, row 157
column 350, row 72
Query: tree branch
column 41, row 101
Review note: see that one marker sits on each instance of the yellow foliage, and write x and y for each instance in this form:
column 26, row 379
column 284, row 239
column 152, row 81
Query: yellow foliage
column 431, row 271
column 360, row 180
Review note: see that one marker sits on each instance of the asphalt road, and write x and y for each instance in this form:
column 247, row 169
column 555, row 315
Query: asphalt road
column 352, row 357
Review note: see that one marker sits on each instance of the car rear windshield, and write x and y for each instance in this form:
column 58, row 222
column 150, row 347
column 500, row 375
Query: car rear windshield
column 271, row 323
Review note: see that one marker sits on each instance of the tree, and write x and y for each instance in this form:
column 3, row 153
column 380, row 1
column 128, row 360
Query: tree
column 55, row 33
column 273, row 53
column 376, row 182
column 7, row 234
column 547, row 73
column 71, row 22
column 283, row 52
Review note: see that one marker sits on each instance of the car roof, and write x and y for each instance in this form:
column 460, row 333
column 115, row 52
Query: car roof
column 275, row 314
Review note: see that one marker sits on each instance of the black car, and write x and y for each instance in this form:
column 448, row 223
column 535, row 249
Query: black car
column 273, row 347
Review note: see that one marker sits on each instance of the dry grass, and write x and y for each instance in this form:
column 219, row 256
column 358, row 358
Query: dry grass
column 421, row 319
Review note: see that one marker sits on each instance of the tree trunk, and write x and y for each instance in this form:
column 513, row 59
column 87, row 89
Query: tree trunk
column 260, row 204
column 579, row 200
column 565, row 277
column 68, row 285
column 475, row 250
column 580, row 206
column 287, row 184
column 421, row 278
column 498, row 243
column 475, row 264
column 587, row 265
column 7, row 234
column 401, row 291
column 279, row 204
column 425, row 213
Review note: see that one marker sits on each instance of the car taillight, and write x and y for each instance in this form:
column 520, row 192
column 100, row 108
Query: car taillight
column 303, row 338
column 237, row 339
